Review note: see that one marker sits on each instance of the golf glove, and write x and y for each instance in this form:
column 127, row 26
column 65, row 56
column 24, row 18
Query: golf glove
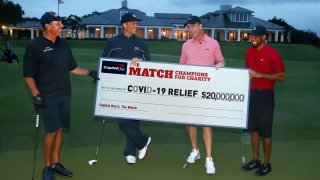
column 39, row 102
column 94, row 75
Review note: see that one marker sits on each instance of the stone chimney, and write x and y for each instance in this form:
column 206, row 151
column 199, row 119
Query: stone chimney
column 225, row 7
column 124, row 4
column 124, row 8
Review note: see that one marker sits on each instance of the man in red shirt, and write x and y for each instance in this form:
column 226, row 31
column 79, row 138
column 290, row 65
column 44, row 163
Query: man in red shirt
column 266, row 67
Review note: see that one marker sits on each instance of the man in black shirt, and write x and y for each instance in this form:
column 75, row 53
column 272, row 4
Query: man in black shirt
column 128, row 46
column 48, row 61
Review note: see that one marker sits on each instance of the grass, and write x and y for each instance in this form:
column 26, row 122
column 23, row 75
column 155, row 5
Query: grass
column 296, row 126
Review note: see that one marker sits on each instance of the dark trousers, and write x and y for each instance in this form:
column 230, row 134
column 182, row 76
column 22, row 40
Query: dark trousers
column 135, row 138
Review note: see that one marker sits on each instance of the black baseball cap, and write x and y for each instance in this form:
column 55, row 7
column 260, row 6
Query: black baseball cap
column 258, row 31
column 129, row 17
column 193, row 20
column 48, row 17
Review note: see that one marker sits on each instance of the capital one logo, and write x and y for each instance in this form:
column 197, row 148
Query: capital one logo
column 114, row 67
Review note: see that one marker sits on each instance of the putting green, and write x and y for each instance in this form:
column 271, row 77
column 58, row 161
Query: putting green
column 296, row 126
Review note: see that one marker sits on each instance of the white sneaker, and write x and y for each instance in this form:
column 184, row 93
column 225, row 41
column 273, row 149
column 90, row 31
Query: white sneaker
column 131, row 159
column 143, row 151
column 194, row 155
column 210, row 169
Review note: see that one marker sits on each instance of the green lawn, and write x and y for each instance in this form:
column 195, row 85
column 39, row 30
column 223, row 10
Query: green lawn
column 296, row 126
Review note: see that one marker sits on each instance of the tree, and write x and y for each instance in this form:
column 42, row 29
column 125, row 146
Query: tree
column 94, row 13
column 288, row 28
column 73, row 22
column 295, row 35
column 305, row 37
column 280, row 22
column 10, row 13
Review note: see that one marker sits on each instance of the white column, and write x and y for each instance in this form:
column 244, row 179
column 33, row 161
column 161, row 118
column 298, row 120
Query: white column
column 174, row 34
column 239, row 34
column 87, row 32
column 145, row 33
column 212, row 33
column 276, row 37
column 225, row 34
column 32, row 33
column 37, row 32
column 101, row 32
column 159, row 33
column 281, row 37
column 117, row 30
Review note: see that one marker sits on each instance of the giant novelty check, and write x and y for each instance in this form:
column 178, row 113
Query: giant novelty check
column 172, row 93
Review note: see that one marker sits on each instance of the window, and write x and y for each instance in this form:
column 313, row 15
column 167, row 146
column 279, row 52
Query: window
column 237, row 17
column 241, row 17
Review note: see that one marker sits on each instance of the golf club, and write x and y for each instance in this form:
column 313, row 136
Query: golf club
column 245, row 140
column 94, row 161
column 36, row 143
column 185, row 165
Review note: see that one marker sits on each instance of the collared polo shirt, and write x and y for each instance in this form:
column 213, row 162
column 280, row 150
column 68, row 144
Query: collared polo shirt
column 266, row 61
column 203, row 53
column 49, row 64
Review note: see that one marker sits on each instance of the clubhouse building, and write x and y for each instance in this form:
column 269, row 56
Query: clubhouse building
column 227, row 24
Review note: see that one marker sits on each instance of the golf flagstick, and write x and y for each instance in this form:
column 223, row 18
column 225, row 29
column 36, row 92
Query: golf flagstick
column 94, row 161
column 35, row 143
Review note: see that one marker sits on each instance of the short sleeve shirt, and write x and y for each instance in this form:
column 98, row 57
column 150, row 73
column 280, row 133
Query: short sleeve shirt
column 266, row 61
column 49, row 64
column 204, row 53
